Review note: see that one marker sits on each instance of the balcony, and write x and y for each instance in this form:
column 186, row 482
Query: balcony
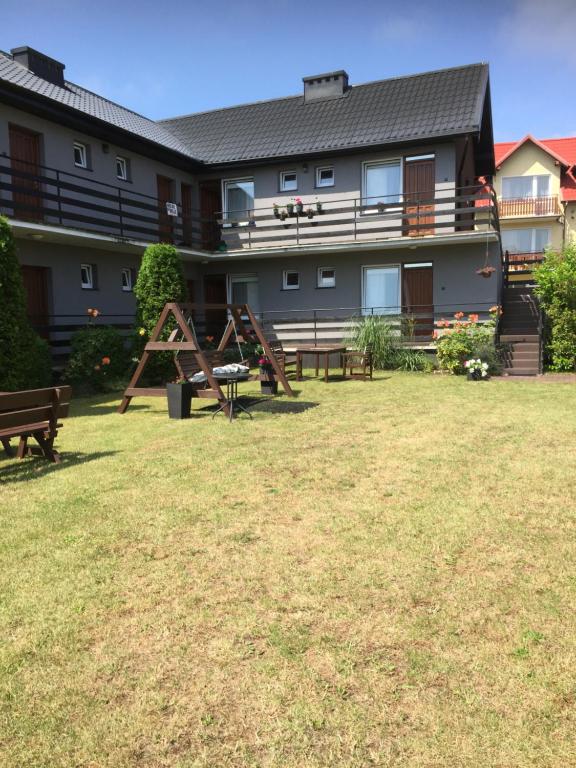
column 358, row 220
column 39, row 195
column 529, row 206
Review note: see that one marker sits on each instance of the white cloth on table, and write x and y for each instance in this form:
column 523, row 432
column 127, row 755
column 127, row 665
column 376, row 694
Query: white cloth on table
column 221, row 370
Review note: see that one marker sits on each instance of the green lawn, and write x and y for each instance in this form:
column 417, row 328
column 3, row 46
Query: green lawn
column 382, row 577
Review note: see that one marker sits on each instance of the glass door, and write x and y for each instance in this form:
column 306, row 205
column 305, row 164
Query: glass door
column 243, row 289
column 381, row 290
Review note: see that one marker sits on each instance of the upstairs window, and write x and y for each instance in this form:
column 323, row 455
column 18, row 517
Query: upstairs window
column 288, row 181
column 324, row 177
column 80, row 155
column 122, row 168
column 521, row 187
column 382, row 183
column 238, row 199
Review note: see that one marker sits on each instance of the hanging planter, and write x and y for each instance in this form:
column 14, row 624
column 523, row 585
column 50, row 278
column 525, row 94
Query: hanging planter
column 276, row 210
column 299, row 206
column 283, row 216
column 310, row 213
column 290, row 209
column 319, row 207
column 486, row 271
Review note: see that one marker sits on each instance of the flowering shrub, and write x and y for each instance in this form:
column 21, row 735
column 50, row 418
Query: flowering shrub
column 477, row 368
column 98, row 358
column 465, row 338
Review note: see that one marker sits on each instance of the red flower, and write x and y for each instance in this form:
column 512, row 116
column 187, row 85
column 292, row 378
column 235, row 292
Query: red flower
column 105, row 361
column 473, row 318
column 459, row 315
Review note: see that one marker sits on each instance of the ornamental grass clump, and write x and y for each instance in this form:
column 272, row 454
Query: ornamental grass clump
column 378, row 335
column 464, row 338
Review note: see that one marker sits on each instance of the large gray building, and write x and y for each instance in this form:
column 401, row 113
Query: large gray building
column 340, row 200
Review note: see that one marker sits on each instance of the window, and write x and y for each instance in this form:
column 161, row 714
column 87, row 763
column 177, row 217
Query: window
column 520, row 187
column 288, row 181
column 243, row 289
column 127, row 279
column 238, row 199
column 80, row 155
column 381, row 290
column 326, row 277
column 122, row 168
column 382, row 182
column 87, row 276
column 290, row 280
column 529, row 240
column 324, row 177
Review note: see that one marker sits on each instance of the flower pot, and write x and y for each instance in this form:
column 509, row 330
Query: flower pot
column 290, row 209
column 283, row 216
column 268, row 386
column 299, row 207
column 276, row 213
column 310, row 213
column 476, row 376
column 319, row 207
column 179, row 400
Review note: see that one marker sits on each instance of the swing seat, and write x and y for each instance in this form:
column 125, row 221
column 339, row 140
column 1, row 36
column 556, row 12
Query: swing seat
column 188, row 366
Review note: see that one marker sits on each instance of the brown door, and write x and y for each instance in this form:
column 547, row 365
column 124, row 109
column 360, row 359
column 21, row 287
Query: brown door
column 419, row 191
column 164, row 185
column 25, row 153
column 215, row 293
column 210, row 207
column 418, row 298
column 36, row 287
column 186, row 194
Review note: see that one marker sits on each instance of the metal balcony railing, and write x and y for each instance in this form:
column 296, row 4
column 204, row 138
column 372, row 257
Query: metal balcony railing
column 357, row 219
column 40, row 194
column 529, row 206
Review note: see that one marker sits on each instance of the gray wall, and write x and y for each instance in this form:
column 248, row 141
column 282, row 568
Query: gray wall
column 456, row 284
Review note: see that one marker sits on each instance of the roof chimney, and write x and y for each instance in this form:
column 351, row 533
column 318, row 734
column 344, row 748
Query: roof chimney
column 331, row 85
column 40, row 64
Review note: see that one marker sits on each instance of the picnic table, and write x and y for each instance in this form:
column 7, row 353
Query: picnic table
column 318, row 350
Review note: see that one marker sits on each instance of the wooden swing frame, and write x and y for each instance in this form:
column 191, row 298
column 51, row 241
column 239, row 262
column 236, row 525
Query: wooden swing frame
column 183, row 338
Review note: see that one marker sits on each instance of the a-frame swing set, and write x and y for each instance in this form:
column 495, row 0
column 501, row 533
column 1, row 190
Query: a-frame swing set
column 183, row 339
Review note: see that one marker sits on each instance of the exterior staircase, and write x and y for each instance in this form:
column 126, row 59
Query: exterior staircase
column 520, row 331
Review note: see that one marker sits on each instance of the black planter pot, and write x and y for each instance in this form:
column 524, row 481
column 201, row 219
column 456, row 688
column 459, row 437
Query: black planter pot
column 268, row 386
column 476, row 377
column 290, row 210
column 299, row 207
column 179, row 400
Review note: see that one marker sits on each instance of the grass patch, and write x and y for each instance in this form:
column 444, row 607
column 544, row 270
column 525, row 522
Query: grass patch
column 377, row 573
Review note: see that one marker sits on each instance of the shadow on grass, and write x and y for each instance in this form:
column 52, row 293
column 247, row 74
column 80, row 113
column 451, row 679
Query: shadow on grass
column 21, row 470
column 260, row 404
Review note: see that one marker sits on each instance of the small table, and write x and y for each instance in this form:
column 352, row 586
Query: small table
column 232, row 394
column 318, row 350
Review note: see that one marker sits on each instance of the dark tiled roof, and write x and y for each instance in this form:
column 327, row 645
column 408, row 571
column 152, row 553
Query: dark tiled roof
column 75, row 97
column 428, row 105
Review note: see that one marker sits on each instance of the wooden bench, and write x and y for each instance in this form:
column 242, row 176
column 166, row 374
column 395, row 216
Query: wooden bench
column 187, row 363
column 33, row 413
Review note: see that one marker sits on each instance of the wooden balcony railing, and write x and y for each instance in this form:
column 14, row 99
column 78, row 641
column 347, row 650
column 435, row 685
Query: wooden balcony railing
column 360, row 219
column 34, row 193
column 529, row 206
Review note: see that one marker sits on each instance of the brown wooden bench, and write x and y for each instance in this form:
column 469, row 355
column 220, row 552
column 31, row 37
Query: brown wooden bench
column 285, row 359
column 33, row 413
column 187, row 363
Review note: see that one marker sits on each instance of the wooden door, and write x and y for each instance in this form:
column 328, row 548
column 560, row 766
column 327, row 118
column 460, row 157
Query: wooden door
column 419, row 191
column 25, row 154
column 36, row 288
column 210, row 207
column 164, row 186
column 215, row 293
column 186, row 195
column 418, row 297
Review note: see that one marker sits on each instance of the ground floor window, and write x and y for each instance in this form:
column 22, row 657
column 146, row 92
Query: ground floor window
column 243, row 289
column 127, row 279
column 87, row 276
column 381, row 290
column 326, row 277
column 528, row 240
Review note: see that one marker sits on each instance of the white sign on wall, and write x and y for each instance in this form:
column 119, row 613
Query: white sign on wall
column 171, row 209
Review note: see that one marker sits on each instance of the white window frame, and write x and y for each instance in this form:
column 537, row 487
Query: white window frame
column 534, row 177
column 285, row 286
column 363, row 292
column 319, row 182
column 283, row 187
column 83, row 151
column 228, row 221
column 127, row 285
column 366, row 208
column 122, row 162
column 87, row 285
column 320, row 281
column 533, row 231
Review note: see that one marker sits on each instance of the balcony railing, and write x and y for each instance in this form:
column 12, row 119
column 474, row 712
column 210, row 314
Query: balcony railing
column 529, row 206
column 39, row 194
column 360, row 219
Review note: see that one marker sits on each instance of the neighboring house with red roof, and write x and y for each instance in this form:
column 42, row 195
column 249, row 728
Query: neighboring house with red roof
column 535, row 183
